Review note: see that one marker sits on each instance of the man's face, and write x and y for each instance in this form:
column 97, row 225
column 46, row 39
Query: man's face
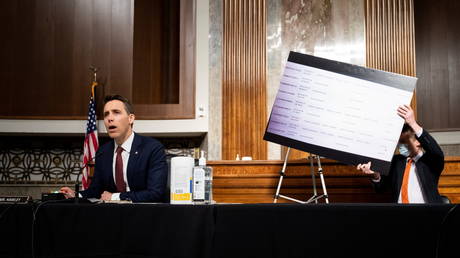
column 413, row 144
column 117, row 121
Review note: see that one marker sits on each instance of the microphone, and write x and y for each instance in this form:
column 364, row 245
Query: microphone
column 77, row 181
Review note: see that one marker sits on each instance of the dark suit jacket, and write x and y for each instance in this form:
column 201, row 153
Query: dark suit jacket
column 146, row 171
column 429, row 168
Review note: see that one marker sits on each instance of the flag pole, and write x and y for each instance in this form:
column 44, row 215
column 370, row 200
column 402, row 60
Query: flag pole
column 94, row 83
column 91, row 161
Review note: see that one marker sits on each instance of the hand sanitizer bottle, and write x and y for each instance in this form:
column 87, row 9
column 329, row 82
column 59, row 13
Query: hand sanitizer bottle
column 202, row 182
column 207, row 179
column 198, row 183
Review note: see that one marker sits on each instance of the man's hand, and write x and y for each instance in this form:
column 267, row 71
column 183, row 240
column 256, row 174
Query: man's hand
column 68, row 193
column 406, row 113
column 106, row 196
column 366, row 168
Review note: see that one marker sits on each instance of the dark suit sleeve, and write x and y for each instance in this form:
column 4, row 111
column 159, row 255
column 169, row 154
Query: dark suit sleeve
column 432, row 152
column 156, row 178
column 95, row 188
column 385, row 181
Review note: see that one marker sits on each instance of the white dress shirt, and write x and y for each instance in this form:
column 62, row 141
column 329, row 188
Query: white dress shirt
column 414, row 190
column 125, row 157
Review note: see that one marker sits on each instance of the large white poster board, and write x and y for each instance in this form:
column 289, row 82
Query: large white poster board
column 338, row 110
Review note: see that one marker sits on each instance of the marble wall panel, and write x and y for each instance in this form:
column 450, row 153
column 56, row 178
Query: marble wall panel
column 331, row 29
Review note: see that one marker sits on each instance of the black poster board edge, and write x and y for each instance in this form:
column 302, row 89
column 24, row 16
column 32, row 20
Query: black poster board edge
column 378, row 165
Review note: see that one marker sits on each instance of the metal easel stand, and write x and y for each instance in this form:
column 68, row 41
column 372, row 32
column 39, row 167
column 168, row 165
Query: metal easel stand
column 315, row 196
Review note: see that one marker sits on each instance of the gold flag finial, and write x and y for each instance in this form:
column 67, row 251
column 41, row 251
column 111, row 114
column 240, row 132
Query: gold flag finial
column 94, row 83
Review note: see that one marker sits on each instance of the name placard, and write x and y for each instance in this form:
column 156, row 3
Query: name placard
column 15, row 199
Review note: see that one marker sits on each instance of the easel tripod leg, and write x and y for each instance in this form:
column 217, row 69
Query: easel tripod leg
column 313, row 179
column 282, row 173
column 323, row 182
column 315, row 196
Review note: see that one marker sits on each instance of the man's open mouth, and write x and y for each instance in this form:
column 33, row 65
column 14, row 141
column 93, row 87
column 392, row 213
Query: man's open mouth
column 112, row 127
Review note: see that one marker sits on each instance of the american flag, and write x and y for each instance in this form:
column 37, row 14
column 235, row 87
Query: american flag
column 91, row 142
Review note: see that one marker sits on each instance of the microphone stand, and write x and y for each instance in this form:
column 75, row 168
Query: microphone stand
column 77, row 185
column 89, row 165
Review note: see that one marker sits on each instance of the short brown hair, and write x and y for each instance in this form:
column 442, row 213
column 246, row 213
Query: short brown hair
column 128, row 107
column 406, row 133
column 407, row 129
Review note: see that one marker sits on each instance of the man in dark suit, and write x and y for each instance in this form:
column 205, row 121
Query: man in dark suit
column 414, row 173
column 131, row 167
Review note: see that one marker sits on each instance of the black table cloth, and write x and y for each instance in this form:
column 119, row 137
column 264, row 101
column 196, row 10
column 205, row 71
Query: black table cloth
column 325, row 230
column 251, row 230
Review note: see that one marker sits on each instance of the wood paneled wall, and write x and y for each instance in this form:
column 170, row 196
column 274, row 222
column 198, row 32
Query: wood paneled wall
column 156, row 52
column 185, row 107
column 419, row 38
column 244, row 79
column 390, row 36
column 437, row 41
column 256, row 182
column 47, row 47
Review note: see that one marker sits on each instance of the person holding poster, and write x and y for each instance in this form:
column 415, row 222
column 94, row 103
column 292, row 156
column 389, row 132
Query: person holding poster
column 415, row 171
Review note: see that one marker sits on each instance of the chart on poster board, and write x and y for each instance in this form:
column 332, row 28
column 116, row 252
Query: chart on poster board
column 338, row 110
